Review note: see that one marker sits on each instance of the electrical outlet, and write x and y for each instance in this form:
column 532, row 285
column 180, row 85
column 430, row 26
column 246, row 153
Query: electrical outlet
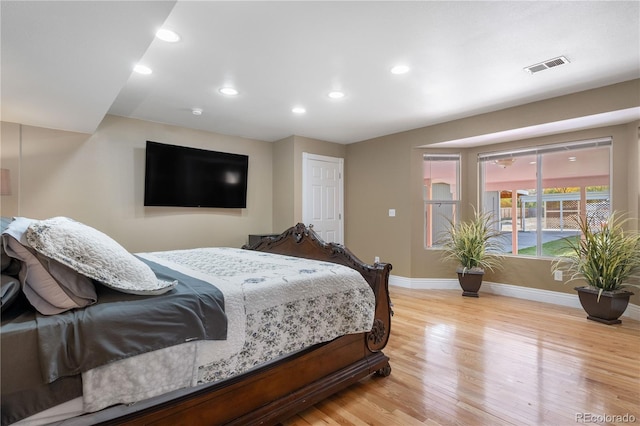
column 376, row 259
column 557, row 275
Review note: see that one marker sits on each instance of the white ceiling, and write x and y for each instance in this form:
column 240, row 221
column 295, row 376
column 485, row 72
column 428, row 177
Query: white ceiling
column 67, row 64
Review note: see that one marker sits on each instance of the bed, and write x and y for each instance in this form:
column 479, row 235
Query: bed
column 341, row 333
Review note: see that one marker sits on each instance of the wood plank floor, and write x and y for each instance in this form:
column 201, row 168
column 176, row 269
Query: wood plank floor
column 493, row 360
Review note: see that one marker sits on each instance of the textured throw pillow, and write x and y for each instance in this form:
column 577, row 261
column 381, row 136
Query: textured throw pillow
column 94, row 254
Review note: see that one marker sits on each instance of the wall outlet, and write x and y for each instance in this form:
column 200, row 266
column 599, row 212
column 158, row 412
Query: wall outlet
column 376, row 259
column 557, row 275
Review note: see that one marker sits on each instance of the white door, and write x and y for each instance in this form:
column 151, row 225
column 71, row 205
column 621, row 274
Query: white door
column 322, row 199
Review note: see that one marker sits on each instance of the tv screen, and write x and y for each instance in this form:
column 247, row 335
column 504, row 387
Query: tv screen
column 179, row 176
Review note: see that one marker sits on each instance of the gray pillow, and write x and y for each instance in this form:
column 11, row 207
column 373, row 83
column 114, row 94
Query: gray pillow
column 50, row 287
column 9, row 291
column 5, row 261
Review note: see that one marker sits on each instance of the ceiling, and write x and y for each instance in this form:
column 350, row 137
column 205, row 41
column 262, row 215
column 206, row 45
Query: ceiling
column 66, row 65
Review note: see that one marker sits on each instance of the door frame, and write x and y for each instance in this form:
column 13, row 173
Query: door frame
column 306, row 157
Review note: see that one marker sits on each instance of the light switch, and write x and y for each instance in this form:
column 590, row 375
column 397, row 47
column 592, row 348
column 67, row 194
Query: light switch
column 392, row 212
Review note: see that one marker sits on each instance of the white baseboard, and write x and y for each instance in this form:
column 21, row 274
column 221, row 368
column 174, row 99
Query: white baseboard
column 538, row 295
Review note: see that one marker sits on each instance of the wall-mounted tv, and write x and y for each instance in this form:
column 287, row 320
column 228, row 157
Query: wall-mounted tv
column 179, row 176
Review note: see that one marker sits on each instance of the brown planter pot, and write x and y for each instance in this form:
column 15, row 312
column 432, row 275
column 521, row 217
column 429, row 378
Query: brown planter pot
column 470, row 281
column 611, row 306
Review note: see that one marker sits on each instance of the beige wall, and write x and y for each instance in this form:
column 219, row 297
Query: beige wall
column 10, row 160
column 386, row 173
column 283, row 184
column 634, row 171
column 378, row 179
column 53, row 173
column 99, row 180
column 287, row 181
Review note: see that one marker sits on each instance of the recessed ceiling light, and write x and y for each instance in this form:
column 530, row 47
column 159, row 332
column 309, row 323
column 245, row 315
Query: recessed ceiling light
column 142, row 69
column 400, row 69
column 298, row 110
column 167, row 35
column 229, row 91
column 572, row 158
column 196, row 111
column 336, row 95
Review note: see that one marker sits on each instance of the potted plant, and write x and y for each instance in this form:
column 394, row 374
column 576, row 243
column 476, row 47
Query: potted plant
column 608, row 259
column 474, row 244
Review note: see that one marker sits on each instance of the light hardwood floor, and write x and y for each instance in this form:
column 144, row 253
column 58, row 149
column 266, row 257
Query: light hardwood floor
column 493, row 360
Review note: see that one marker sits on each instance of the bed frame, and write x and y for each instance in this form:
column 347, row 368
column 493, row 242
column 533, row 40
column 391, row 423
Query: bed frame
column 277, row 391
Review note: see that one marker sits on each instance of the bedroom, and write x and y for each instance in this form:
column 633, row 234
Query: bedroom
column 95, row 174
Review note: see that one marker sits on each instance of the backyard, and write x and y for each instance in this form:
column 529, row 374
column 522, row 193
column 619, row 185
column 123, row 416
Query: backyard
column 551, row 248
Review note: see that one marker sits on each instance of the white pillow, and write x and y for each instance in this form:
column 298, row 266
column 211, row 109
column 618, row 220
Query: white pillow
column 94, row 254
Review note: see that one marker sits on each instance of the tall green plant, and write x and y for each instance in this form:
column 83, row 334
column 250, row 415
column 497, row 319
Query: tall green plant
column 474, row 244
column 606, row 257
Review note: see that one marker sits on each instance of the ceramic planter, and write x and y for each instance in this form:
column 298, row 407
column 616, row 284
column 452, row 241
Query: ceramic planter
column 470, row 281
column 608, row 309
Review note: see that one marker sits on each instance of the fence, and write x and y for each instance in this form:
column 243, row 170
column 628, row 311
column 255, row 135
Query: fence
column 558, row 211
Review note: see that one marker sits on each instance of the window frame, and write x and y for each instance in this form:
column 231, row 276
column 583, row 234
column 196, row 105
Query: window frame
column 428, row 240
column 539, row 152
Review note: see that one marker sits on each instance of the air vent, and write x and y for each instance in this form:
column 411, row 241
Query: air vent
column 532, row 69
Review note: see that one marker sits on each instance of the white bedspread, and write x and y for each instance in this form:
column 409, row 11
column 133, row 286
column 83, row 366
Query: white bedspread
column 275, row 305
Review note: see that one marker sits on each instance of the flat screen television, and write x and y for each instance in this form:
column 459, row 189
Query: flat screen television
column 179, row 176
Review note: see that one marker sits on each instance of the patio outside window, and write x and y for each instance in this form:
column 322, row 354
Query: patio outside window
column 537, row 194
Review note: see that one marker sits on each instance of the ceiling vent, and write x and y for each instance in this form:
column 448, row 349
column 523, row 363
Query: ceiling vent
column 532, row 69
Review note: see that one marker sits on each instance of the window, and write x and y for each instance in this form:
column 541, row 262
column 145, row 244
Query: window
column 537, row 194
column 441, row 194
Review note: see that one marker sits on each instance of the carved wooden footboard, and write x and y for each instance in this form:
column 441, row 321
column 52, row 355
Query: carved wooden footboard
column 301, row 241
column 278, row 390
